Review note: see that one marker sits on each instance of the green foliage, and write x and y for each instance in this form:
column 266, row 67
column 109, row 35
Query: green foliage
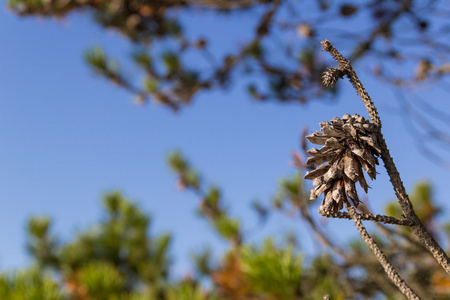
column 288, row 191
column 324, row 272
column 290, row 186
column 253, row 91
column 104, row 66
column 30, row 284
column 143, row 59
column 177, row 162
column 422, row 200
column 188, row 176
column 227, row 227
column 155, row 25
column 278, row 84
column 102, row 280
column 114, row 256
column 172, row 28
column 188, row 290
column 273, row 270
column 41, row 244
column 446, row 229
column 202, row 262
column 150, row 84
column 213, row 196
column 255, row 50
column 96, row 58
column 17, row 4
column 307, row 57
column 118, row 259
column 211, row 206
column 171, row 62
column 189, row 78
column 38, row 227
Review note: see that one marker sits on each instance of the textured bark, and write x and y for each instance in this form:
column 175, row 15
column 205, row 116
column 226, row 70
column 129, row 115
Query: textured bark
column 387, row 266
column 408, row 211
column 418, row 228
column 367, row 217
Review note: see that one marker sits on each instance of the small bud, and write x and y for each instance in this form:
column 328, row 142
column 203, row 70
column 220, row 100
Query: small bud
column 304, row 30
column 331, row 75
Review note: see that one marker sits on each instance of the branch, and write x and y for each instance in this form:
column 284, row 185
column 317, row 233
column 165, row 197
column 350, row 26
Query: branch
column 418, row 228
column 367, row 217
column 348, row 70
column 387, row 266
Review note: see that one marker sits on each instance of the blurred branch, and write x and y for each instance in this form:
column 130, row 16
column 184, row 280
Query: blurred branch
column 321, row 236
column 211, row 205
column 433, row 133
column 280, row 26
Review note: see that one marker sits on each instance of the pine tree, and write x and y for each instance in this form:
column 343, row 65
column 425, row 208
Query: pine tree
column 117, row 258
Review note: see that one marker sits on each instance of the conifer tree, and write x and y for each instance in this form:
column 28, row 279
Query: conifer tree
column 117, row 258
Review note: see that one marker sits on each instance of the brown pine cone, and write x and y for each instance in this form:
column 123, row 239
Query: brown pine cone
column 350, row 145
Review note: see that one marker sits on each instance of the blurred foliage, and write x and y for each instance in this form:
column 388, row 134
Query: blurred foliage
column 118, row 258
column 422, row 200
column 281, row 55
column 271, row 270
column 31, row 284
column 276, row 54
column 211, row 203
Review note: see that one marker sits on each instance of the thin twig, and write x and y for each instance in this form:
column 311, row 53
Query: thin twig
column 367, row 217
column 418, row 228
column 387, row 266
column 345, row 66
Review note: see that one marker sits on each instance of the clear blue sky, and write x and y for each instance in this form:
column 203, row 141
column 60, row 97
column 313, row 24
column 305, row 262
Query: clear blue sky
column 68, row 136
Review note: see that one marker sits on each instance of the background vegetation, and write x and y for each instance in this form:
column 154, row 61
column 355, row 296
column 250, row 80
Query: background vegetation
column 121, row 258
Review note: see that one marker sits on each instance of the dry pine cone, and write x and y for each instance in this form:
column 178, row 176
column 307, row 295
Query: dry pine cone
column 350, row 145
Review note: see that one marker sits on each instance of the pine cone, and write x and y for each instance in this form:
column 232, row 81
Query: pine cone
column 331, row 75
column 350, row 145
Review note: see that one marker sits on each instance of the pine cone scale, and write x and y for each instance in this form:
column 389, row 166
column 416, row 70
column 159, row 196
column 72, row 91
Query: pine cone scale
column 349, row 145
column 317, row 172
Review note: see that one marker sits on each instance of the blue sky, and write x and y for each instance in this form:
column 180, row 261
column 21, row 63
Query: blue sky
column 68, row 137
